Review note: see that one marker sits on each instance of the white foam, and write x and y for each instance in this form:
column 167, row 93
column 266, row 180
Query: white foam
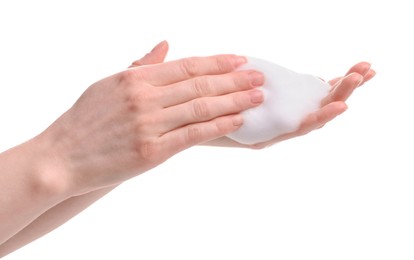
column 289, row 98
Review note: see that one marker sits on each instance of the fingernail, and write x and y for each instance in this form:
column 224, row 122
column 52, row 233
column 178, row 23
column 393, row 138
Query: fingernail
column 352, row 78
column 237, row 120
column 361, row 79
column 256, row 78
column 239, row 60
column 256, row 96
column 367, row 69
column 159, row 45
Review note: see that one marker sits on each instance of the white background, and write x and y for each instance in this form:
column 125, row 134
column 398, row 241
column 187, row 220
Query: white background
column 343, row 192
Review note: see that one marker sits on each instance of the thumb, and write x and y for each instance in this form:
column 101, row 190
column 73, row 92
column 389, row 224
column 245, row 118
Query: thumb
column 157, row 55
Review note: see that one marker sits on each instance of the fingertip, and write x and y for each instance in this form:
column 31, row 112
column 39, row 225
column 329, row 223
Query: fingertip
column 370, row 74
column 165, row 42
column 256, row 78
column 161, row 45
column 361, row 68
column 256, row 96
column 237, row 120
column 366, row 68
column 160, row 51
column 342, row 107
column 239, row 60
column 156, row 55
column 165, row 45
column 365, row 64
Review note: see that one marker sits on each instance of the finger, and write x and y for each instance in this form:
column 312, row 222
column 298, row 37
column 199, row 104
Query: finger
column 343, row 89
column 184, row 69
column 156, row 55
column 311, row 122
column 190, row 135
column 369, row 75
column 334, row 81
column 321, row 117
column 205, row 109
column 361, row 68
column 207, row 86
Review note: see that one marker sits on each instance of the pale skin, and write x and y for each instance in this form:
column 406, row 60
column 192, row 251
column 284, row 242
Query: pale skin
column 129, row 123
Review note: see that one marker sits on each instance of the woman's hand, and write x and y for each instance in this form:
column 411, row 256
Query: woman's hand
column 132, row 121
column 331, row 106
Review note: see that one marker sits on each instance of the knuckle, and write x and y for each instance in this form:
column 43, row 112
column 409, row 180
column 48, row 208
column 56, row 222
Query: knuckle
column 139, row 99
column 133, row 102
column 224, row 64
column 147, row 150
column 130, row 76
column 194, row 134
column 189, row 67
column 201, row 87
column 200, row 109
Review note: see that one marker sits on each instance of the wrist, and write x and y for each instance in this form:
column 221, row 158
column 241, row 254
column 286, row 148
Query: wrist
column 50, row 175
column 31, row 183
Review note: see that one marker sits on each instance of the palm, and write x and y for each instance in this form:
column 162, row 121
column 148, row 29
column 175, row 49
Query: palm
column 332, row 105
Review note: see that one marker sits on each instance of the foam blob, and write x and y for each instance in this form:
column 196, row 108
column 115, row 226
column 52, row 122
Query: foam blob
column 288, row 98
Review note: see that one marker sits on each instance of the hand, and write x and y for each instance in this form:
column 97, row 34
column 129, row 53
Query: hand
column 132, row 121
column 331, row 106
column 62, row 211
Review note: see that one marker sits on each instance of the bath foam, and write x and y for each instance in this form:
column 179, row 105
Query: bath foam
column 288, row 98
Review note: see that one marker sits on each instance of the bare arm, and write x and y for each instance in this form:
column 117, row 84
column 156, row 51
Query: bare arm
column 26, row 191
column 64, row 211
column 120, row 127
column 51, row 219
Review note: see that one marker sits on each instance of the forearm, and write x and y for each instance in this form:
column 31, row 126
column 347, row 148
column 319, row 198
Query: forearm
column 52, row 219
column 29, row 186
column 64, row 211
